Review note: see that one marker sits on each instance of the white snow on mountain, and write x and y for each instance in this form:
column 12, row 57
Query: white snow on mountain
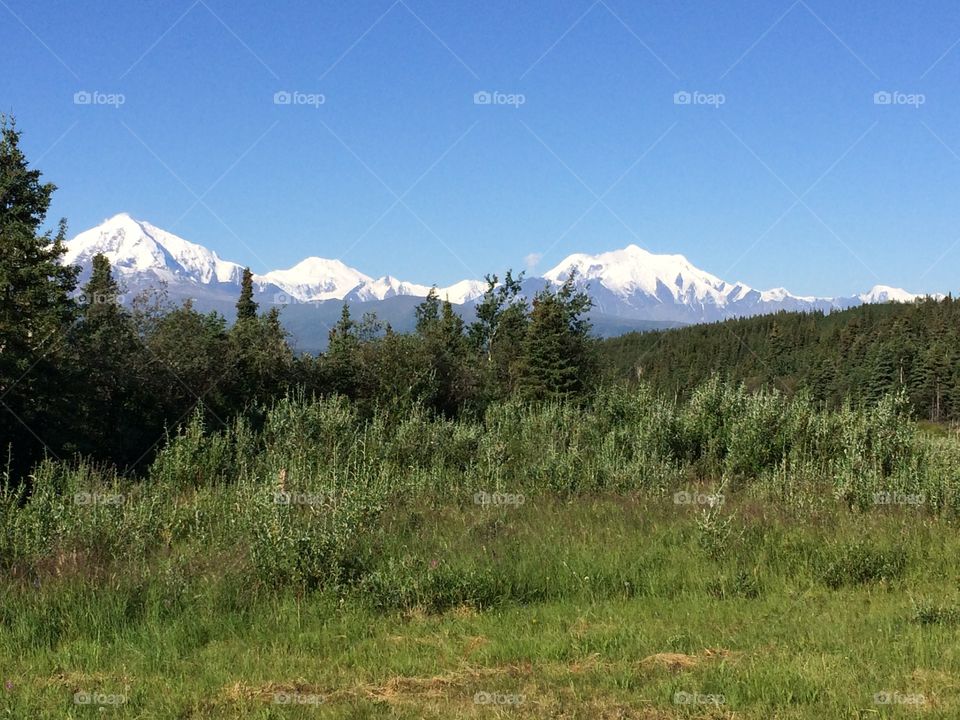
column 883, row 293
column 634, row 274
column 463, row 291
column 634, row 270
column 134, row 247
column 385, row 287
column 631, row 282
column 315, row 279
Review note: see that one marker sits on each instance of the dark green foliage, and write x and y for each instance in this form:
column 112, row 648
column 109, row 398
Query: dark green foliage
column 111, row 401
column 856, row 355
column 558, row 357
column 246, row 307
column 36, row 312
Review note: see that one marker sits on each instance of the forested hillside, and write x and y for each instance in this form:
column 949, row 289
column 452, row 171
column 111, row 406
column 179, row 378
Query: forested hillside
column 858, row 354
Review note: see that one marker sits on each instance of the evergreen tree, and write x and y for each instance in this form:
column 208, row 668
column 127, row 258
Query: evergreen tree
column 246, row 306
column 428, row 312
column 558, row 358
column 342, row 362
column 108, row 358
column 446, row 349
column 36, row 311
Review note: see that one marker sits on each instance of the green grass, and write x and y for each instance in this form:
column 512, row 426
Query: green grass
column 599, row 606
column 645, row 552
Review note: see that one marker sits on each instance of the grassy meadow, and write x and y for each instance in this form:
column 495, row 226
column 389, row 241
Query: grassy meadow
column 736, row 555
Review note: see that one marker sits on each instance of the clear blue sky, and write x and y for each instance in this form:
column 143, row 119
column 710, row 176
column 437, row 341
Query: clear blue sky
column 798, row 179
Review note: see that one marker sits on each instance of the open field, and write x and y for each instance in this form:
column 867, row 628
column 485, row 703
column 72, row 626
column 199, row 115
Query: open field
column 599, row 607
column 737, row 556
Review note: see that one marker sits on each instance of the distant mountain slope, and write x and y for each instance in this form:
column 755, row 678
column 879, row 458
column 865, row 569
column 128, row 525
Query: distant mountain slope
column 631, row 288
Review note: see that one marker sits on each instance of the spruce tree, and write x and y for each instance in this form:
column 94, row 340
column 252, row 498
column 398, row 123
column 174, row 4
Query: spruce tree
column 558, row 355
column 342, row 360
column 246, row 306
column 36, row 311
column 109, row 356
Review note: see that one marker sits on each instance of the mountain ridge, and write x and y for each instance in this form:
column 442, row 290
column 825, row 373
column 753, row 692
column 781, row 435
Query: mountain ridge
column 627, row 285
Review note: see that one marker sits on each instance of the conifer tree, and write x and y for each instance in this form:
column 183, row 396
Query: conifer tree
column 558, row 358
column 108, row 361
column 246, row 306
column 342, row 360
column 36, row 311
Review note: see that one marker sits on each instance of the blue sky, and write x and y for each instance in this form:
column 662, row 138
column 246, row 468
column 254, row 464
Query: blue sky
column 781, row 171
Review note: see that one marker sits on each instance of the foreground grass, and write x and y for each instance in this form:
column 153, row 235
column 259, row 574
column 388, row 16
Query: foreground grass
column 593, row 607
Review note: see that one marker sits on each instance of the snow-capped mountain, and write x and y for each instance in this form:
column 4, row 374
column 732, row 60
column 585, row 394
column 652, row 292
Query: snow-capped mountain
column 137, row 248
column 383, row 288
column 634, row 283
column 631, row 284
column 314, row 279
column 143, row 254
column 883, row 293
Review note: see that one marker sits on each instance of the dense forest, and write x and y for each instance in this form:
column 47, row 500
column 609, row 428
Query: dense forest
column 855, row 355
column 83, row 375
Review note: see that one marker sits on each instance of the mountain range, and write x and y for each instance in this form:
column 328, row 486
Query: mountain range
column 632, row 289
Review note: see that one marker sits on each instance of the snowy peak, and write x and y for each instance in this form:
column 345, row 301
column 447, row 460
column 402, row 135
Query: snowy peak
column 315, row 279
column 463, row 291
column 386, row 287
column 634, row 271
column 630, row 283
column 884, row 293
column 136, row 248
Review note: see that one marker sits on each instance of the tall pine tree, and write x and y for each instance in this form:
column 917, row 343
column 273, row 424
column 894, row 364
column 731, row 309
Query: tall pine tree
column 36, row 311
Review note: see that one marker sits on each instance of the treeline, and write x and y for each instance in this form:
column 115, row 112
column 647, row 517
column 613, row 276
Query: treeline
column 83, row 375
column 855, row 355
